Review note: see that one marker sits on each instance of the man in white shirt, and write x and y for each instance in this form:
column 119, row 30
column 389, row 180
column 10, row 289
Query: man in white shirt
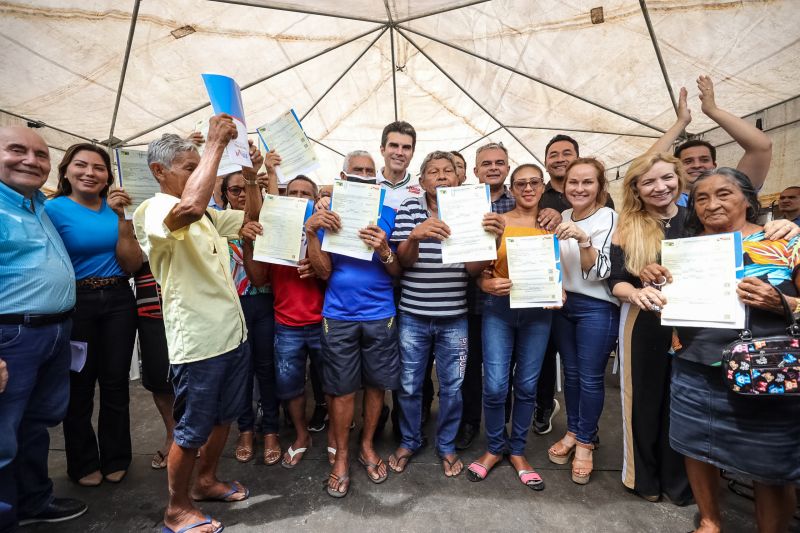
column 398, row 141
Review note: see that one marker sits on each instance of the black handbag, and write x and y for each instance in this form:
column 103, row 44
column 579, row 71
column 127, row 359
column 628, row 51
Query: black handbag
column 764, row 366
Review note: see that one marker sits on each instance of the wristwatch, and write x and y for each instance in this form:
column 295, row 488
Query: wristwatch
column 586, row 244
column 389, row 260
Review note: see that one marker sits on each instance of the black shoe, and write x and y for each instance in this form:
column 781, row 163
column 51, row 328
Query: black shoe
column 319, row 420
column 543, row 418
column 466, row 434
column 59, row 510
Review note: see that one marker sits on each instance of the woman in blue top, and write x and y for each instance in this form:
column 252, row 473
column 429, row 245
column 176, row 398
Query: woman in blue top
column 104, row 251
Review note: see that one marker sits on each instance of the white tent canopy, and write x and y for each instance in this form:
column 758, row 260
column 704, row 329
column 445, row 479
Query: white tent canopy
column 462, row 72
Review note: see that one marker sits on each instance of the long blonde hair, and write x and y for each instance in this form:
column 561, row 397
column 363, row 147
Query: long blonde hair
column 640, row 232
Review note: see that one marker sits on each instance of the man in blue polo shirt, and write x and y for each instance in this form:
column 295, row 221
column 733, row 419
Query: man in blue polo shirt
column 37, row 288
column 359, row 337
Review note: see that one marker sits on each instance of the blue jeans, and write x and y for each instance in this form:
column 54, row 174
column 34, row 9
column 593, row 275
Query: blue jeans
column 35, row 398
column 293, row 344
column 260, row 319
column 507, row 331
column 585, row 329
column 447, row 338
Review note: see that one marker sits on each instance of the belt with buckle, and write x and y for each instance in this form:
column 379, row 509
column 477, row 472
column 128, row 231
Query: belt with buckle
column 102, row 283
column 35, row 321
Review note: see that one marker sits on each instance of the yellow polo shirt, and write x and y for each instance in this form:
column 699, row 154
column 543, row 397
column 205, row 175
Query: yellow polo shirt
column 202, row 314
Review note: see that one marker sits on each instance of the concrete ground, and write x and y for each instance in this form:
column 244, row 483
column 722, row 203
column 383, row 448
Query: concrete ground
column 419, row 500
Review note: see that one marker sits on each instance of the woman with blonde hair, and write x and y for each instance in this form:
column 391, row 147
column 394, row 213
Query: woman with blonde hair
column 649, row 215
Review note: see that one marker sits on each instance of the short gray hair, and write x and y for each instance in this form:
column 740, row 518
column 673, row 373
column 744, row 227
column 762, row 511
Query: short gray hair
column 351, row 155
column 438, row 154
column 165, row 149
column 490, row 146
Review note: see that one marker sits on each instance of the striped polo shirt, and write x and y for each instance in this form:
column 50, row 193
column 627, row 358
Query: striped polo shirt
column 429, row 287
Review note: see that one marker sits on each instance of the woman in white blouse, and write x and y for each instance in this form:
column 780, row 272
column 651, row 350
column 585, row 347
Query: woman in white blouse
column 585, row 328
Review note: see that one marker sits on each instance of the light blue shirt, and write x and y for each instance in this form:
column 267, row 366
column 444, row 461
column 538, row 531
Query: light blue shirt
column 36, row 275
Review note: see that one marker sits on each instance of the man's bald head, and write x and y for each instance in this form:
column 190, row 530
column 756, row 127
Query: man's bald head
column 24, row 159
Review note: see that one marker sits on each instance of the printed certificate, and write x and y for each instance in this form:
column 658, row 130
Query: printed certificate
column 705, row 271
column 285, row 135
column 534, row 266
column 226, row 97
column 462, row 209
column 135, row 177
column 283, row 241
column 226, row 166
column 358, row 205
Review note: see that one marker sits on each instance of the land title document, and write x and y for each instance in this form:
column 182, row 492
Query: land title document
column 462, row 209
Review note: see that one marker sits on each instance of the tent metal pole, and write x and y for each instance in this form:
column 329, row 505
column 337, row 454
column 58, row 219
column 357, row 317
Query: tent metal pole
column 394, row 71
column 440, row 11
column 482, row 137
column 336, row 82
column 260, row 80
column 661, row 64
column 298, row 10
column 131, row 30
column 530, row 77
column 477, row 103
column 45, row 125
column 554, row 128
column 334, row 150
column 762, row 110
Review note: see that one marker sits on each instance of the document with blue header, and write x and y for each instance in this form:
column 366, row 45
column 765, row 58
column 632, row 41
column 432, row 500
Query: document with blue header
column 285, row 136
column 705, row 272
column 462, row 209
column 226, row 97
column 534, row 267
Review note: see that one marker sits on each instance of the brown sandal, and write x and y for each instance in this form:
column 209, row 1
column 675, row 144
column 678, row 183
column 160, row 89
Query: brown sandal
column 559, row 453
column 272, row 456
column 582, row 468
column 244, row 447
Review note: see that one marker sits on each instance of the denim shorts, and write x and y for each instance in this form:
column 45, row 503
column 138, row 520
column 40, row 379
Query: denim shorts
column 209, row 393
column 293, row 345
column 356, row 354
column 755, row 438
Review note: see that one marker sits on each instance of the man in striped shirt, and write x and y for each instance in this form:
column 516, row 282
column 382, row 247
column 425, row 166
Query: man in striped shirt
column 432, row 314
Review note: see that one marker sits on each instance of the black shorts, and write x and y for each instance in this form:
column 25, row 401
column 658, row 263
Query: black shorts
column 154, row 355
column 356, row 354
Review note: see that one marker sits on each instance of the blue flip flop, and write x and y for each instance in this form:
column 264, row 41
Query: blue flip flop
column 207, row 521
column 226, row 497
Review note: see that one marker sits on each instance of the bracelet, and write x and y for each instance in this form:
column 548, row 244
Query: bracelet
column 389, row 259
column 586, row 244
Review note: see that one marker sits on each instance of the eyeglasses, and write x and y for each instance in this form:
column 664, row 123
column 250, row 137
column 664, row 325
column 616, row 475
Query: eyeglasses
column 522, row 185
column 235, row 191
column 435, row 172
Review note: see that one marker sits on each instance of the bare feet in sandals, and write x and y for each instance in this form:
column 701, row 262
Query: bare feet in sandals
column 339, row 479
column 295, row 453
column 452, row 465
column 272, row 449
column 194, row 519
column 376, row 468
column 480, row 468
column 244, row 447
column 398, row 461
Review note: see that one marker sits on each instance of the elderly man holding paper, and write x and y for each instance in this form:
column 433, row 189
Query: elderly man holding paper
column 188, row 251
column 359, row 331
column 433, row 301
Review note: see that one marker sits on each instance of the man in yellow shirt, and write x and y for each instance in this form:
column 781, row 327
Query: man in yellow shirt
column 188, row 251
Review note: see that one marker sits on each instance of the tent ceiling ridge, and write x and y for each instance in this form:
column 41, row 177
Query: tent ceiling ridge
column 254, row 82
column 531, row 77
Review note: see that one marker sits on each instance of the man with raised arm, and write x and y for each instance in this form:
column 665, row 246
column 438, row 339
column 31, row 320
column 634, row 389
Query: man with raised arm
column 697, row 155
column 188, row 250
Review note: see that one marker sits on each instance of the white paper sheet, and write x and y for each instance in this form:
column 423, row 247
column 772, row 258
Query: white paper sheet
column 534, row 269
column 285, row 135
column 283, row 241
column 462, row 209
column 134, row 176
column 358, row 205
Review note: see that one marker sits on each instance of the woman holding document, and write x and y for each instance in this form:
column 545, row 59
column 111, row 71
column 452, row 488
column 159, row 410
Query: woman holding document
column 713, row 427
column 585, row 328
column 507, row 331
column 257, row 306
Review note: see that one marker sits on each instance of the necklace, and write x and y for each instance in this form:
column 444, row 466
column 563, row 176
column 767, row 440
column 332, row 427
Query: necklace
column 666, row 221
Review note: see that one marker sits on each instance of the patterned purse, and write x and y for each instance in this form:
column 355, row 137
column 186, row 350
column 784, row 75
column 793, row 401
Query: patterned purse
column 765, row 366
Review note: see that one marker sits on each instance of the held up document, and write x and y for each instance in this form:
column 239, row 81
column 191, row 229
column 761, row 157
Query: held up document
column 358, row 205
column 226, row 97
column 462, row 209
column 135, row 177
column 285, row 135
column 283, row 241
column 226, row 166
column 534, row 266
column 705, row 271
